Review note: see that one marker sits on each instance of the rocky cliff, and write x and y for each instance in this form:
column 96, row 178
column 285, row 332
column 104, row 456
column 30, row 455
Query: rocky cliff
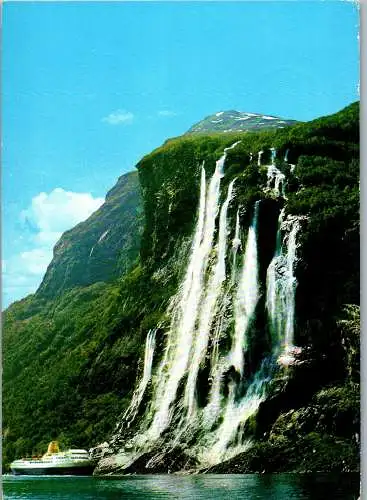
column 101, row 248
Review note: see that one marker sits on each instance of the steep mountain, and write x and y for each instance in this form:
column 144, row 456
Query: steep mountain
column 232, row 121
column 101, row 248
column 235, row 336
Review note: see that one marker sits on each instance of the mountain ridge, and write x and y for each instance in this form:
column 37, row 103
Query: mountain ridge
column 81, row 257
column 233, row 120
column 102, row 247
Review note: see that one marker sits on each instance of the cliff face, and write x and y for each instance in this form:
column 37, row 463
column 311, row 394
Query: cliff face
column 101, row 248
column 250, row 330
column 87, row 343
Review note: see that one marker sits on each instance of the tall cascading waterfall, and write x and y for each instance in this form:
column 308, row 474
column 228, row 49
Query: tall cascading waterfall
column 236, row 244
column 184, row 318
column 259, row 155
column 292, row 167
column 281, row 281
column 281, row 288
column 273, row 288
column 208, row 308
column 225, row 441
column 216, row 301
column 147, row 373
column 275, row 177
column 246, row 297
column 244, row 303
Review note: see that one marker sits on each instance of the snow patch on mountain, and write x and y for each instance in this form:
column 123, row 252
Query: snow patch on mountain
column 232, row 121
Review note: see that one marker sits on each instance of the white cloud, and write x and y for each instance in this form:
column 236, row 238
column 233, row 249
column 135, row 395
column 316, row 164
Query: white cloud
column 166, row 113
column 47, row 217
column 23, row 274
column 50, row 214
column 118, row 117
column 34, row 262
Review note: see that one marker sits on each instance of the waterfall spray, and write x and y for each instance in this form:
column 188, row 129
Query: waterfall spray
column 281, row 284
column 273, row 296
column 147, row 372
column 292, row 225
column 259, row 155
column 236, row 244
column 185, row 316
column 247, row 296
column 211, row 317
column 273, row 155
column 208, row 308
column 226, row 441
column 275, row 176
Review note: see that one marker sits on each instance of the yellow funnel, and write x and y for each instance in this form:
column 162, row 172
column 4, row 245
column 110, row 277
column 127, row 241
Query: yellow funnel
column 53, row 447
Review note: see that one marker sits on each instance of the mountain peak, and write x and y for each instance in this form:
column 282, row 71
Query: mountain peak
column 232, row 121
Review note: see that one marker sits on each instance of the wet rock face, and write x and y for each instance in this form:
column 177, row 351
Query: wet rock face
column 99, row 451
column 107, row 466
column 153, row 462
column 156, row 463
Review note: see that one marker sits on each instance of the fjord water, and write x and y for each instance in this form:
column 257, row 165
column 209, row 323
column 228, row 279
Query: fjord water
column 196, row 487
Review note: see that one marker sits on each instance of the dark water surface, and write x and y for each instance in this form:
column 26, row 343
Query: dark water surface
column 200, row 487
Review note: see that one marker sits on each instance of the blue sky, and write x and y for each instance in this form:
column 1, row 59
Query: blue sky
column 90, row 87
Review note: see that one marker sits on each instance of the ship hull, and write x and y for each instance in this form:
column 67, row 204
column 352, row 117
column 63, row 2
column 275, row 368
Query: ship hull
column 53, row 471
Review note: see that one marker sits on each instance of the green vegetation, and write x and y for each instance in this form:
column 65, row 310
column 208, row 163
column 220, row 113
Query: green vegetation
column 72, row 352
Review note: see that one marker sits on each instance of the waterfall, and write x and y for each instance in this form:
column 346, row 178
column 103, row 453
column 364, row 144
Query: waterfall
column 211, row 317
column 281, row 284
column 147, row 372
column 273, row 155
column 292, row 225
column 292, row 166
column 246, row 297
column 273, row 297
column 208, row 308
column 259, row 155
column 236, row 244
column 244, row 307
column 184, row 317
column 275, row 177
column 172, row 367
column 226, row 441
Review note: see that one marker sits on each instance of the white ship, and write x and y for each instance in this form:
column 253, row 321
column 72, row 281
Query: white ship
column 54, row 462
